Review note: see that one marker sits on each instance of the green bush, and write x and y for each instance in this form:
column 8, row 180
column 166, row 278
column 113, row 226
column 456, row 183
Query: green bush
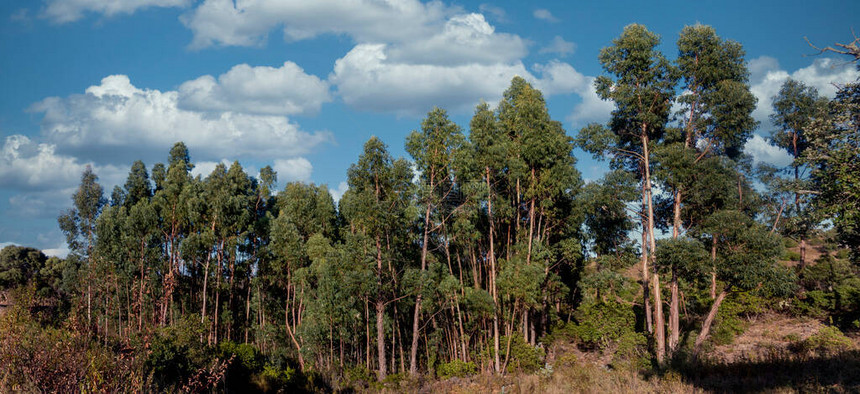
column 602, row 323
column 176, row 353
column 523, row 356
column 729, row 322
column 456, row 368
column 827, row 341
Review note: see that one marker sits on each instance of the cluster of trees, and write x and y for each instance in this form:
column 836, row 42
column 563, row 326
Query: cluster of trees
column 483, row 243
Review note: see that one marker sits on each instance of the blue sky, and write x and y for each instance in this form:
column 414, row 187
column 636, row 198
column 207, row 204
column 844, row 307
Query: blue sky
column 300, row 85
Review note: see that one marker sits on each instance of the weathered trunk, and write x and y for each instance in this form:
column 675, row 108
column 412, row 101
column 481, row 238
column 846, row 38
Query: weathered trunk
column 706, row 326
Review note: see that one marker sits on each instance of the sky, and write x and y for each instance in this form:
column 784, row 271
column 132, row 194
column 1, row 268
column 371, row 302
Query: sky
column 300, row 85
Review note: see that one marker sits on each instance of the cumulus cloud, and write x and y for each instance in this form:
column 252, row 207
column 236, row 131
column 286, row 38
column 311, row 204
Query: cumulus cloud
column 116, row 120
column 26, row 165
column 464, row 39
column 767, row 78
column 295, row 169
column 64, row 11
column 286, row 90
column 559, row 47
column 248, row 22
column 366, row 79
column 763, row 152
column 415, row 32
column 557, row 77
column 544, row 15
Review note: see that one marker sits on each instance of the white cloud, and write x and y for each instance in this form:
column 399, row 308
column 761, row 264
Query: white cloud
column 762, row 151
column 767, row 78
column 27, row 165
column 337, row 193
column 545, row 15
column 366, row 79
column 64, row 11
column 286, row 90
column 560, row 47
column 290, row 170
column 118, row 120
column 248, row 22
column 560, row 78
column 464, row 39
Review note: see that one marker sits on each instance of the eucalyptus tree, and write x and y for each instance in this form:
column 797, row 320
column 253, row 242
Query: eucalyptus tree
column 834, row 155
column 796, row 107
column 137, row 186
column 542, row 181
column 170, row 202
column 715, row 120
column 642, row 90
column 303, row 212
column 433, row 151
column 79, row 226
column 489, row 144
column 374, row 208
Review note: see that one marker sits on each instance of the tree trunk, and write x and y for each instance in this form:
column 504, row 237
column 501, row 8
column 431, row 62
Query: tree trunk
column 646, row 287
column 292, row 335
column 674, row 309
column 706, row 326
column 413, row 351
column 492, row 258
column 659, row 331
column 674, row 314
column 380, row 311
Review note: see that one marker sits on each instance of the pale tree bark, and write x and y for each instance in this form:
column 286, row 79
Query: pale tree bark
column 659, row 329
column 706, row 326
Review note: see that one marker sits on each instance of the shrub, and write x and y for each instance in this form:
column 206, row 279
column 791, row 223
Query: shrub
column 600, row 324
column 827, row 341
column 523, row 356
column 456, row 368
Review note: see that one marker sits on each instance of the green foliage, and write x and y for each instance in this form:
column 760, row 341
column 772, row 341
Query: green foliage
column 827, row 341
column 456, row 368
column 176, row 352
column 601, row 324
column 523, row 356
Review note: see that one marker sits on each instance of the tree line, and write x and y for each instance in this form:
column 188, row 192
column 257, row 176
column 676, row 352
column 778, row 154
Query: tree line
column 487, row 242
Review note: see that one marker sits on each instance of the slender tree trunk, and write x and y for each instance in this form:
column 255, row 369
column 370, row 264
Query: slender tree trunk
column 413, row 351
column 674, row 314
column 492, row 258
column 380, row 315
column 674, row 310
column 292, row 335
column 646, row 287
column 706, row 326
column 659, row 330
